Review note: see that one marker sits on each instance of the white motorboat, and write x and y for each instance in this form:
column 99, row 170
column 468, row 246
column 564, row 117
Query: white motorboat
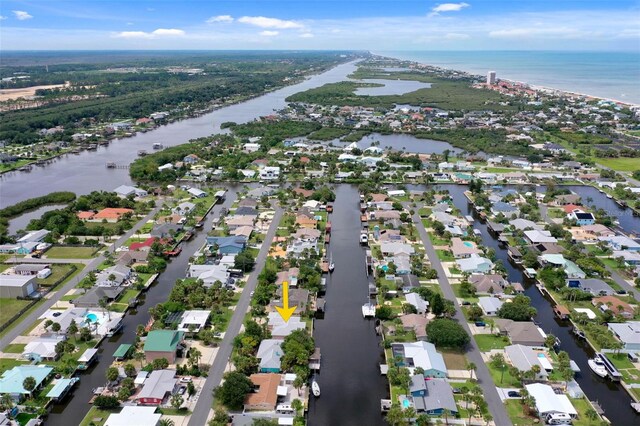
column 596, row 365
column 315, row 388
column 364, row 239
column 332, row 265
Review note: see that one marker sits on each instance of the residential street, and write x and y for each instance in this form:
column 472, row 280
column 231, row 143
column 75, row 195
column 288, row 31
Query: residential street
column 28, row 319
column 203, row 406
column 496, row 406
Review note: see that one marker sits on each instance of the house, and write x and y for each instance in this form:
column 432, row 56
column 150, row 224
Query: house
column 144, row 416
column 621, row 242
column 14, row 286
column 298, row 297
column 210, row 274
column 307, row 234
column 524, row 358
column 130, row 257
column 628, row 333
column 463, row 249
column 41, row 270
column 165, row 230
column 193, row 320
column 613, row 304
column 417, row 323
column 475, row 265
column 421, row 354
column 157, row 387
column 414, row 299
column 505, row 208
column 183, row 208
column 565, row 199
column 306, row 221
column 235, row 222
column 549, row 402
column 280, row 328
column 490, row 283
column 110, row 215
column 246, row 211
column 582, row 218
column 269, row 173
column 125, row 191
column 490, row 305
column 522, row 224
column 535, row 236
column 269, row 354
column 34, row 236
column 248, row 202
column 432, row 397
column 113, row 276
column 227, row 245
column 521, row 332
column 630, row 258
column 163, row 344
column 591, row 285
column 570, row 269
column 43, row 348
column 290, row 276
column 93, row 296
column 109, row 323
column 11, row 381
column 22, row 248
column 265, row 397
column 196, row 193
column 392, row 248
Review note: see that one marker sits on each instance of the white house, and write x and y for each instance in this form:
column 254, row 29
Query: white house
column 549, row 402
column 490, row 305
column 270, row 173
column 418, row 302
column 196, row 193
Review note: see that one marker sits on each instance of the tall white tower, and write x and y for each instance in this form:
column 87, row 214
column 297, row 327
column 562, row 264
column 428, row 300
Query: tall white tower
column 491, row 78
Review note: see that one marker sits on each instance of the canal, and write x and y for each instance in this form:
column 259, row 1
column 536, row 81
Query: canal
column 75, row 407
column 613, row 399
column 349, row 379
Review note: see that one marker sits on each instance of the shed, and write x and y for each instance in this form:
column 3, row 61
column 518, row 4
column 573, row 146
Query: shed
column 123, row 351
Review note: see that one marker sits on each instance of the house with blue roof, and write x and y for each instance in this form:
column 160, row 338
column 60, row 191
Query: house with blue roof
column 228, row 245
column 11, row 382
column 421, row 354
column 431, row 397
column 504, row 208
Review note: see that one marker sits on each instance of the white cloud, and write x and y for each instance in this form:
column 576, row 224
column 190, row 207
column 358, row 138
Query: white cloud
column 449, row 7
column 21, row 15
column 2, row 18
column 269, row 33
column 220, row 18
column 456, row 36
column 264, row 22
column 160, row 32
column 306, row 35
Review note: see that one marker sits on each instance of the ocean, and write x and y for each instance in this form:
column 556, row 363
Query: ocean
column 611, row 75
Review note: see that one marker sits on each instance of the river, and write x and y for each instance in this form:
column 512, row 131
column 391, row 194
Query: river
column 74, row 408
column 350, row 378
column 613, row 399
column 87, row 171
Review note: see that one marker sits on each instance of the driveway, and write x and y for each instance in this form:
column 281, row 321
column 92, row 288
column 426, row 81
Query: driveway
column 203, row 406
column 491, row 395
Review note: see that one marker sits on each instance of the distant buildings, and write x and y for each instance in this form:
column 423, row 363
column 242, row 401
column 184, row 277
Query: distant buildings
column 491, row 78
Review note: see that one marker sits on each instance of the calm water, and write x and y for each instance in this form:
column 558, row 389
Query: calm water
column 74, row 409
column 612, row 75
column 349, row 378
column 397, row 87
column 613, row 399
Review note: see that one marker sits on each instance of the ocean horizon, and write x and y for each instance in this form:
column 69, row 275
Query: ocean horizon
column 610, row 75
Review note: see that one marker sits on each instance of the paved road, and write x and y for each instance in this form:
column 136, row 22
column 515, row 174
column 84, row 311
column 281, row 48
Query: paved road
column 205, row 401
column 496, row 406
column 29, row 319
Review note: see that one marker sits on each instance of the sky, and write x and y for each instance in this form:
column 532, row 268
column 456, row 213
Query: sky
column 376, row 25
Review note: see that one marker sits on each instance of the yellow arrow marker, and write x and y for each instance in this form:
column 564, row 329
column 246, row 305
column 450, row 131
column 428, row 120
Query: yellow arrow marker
column 285, row 312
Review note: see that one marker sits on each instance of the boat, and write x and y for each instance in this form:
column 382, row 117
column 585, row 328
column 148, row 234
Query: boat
column 364, row 239
column 315, row 388
column 609, row 196
column 332, row 265
column 636, row 407
column 157, row 146
column 579, row 333
column 368, row 310
column 597, row 366
column 142, row 153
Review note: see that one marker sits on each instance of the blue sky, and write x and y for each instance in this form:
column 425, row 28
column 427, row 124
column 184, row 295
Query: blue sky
column 321, row 24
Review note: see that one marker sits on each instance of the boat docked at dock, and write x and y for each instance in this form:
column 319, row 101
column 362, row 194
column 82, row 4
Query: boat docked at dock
column 315, row 388
column 597, row 366
column 157, row 146
column 368, row 310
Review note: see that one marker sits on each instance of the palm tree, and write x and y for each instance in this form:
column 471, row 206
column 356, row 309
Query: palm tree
column 139, row 356
column 166, row 422
column 471, row 367
column 488, row 418
column 194, row 356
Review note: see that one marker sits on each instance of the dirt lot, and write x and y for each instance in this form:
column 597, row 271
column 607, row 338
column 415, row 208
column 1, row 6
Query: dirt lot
column 9, row 94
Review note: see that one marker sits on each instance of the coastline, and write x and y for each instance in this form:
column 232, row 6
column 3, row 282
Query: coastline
column 536, row 87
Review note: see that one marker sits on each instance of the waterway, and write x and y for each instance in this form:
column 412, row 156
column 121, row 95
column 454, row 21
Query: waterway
column 87, row 171
column 349, row 379
column 390, row 87
column 613, row 399
column 74, row 408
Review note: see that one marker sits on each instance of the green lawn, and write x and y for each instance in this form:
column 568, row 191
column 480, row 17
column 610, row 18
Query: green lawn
column 10, row 307
column 70, row 252
column 9, row 363
column 445, row 255
column 487, row 342
column 515, row 410
column 15, row 348
column 437, row 241
column 619, row 164
column 96, row 413
column 58, row 271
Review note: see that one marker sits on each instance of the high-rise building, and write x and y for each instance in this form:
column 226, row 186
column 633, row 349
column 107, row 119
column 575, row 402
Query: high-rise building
column 491, row 78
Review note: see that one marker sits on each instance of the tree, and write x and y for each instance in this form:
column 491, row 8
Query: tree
column 518, row 310
column 471, row 367
column 130, row 370
column 29, row 384
column 244, row 261
column 475, row 313
column 167, row 422
column 112, row 374
column 447, row 333
column 103, row 401
column 160, row 363
column 73, row 329
column 85, row 334
column 497, row 361
column 436, row 304
column 6, row 402
column 550, row 341
column 139, row 356
column 176, row 401
column 395, row 416
column 232, row 392
column 47, row 324
column 55, row 327
column 384, row 313
column 124, row 393
column 191, row 389
column 296, row 404
column 194, row 356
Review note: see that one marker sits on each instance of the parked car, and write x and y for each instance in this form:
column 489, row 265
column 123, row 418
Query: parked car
column 182, row 390
column 513, row 394
column 480, row 323
column 185, row 380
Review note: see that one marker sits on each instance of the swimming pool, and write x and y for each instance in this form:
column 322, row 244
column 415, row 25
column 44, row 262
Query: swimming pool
column 406, row 403
column 468, row 244
column 91, row 317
